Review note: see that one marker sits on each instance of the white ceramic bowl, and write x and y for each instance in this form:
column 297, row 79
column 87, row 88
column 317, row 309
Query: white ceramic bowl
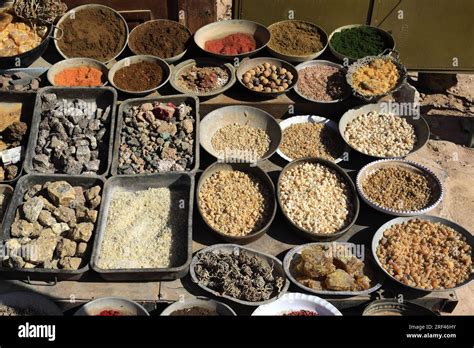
column 291, row 302
column 313, row 119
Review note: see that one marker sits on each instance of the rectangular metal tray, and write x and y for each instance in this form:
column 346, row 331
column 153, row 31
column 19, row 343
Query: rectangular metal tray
column 132, row 184
column 34, row 72
column 22, row 186
column 103, row 96
column 176, row 100
column 28, row 101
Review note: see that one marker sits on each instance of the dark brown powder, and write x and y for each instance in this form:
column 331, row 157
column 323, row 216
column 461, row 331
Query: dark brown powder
column 97, row 33
column 164, row 39
column 139, row 77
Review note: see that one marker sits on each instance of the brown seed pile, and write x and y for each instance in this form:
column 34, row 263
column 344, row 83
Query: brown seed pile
column 426, row 255
column 268, row 78
column 241, row 141
column 322, row 83
column 311, row 140
column 316, row 198
column 398, row 189
column 235, row 203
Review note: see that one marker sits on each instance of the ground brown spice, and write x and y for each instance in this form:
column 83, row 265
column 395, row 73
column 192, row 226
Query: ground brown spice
column 97, row 33
column 164, row 39
column 295, row 38
column 139, row 77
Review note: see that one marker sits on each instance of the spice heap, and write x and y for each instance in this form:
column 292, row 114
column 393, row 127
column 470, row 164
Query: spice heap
column 53, row 226
column 237, row 43
column 301, row 313
column 13, row 136
column 95, row 32
column 238, row 275
column 268, row 78
column 145, row 229
column 16, row 37
column 330, row 268
column 235, row 203
column 322, row 83
column 163, row 39
column 358, row 42
column 426, row 255
column 139, row 77
column 195, row 312
column 241, row 142
column 203, row 79
column 398, row 189
column 9, row 311
column 82, row 76
column 383, row 135
column 72, row 136
column 377, row 77
column 19, row 82
column 311, row 140
column 157, row 137
column 295, row 38
column 110, row 313
column 316, row 198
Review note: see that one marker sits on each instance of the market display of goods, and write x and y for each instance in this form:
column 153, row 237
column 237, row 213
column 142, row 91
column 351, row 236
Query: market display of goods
column 19, row 82
column 232, row 44
column 268, row 78
column 322, row 83
column 376, row 77
column 203, row 79
column 139, row 77
column 425, row 255
column 82, row 76
column 359, row 42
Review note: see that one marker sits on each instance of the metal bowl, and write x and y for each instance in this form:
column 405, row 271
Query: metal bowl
column 422, row 130
column 388, row 38
column 321, row 237
column 179, row 69
column 248, row 169
column 393, row 57
column 299, row 59
column 322, row 63
column 170, row 59
column 295, row 302
column 234, row 248
column 93, row 308
column 379, row 235
column 249, row 64
column 435, row 185
column 221, row 308
column 311, row 119
column 240, row 114
column 76, row 63
column 218, row 30
column 30, row 300
column 138, row 59
column 290, row 256
column 71, row 13
column 387, row 307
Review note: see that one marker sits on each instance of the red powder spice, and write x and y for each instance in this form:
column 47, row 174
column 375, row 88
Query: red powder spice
column 109, row 313
column 82, row 76
column 232, row 44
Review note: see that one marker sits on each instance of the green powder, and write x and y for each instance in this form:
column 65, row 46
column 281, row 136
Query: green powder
column 358, row 42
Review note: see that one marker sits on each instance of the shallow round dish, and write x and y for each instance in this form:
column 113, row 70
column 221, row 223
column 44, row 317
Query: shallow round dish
column 240, row 114
column 137, row 59
column 30, row 300
column 304, row 65
column 292, row 302
column 221, row 308
column 379, row 235
column 76, row 63
column 389, row 40
column 85, row 7
column 179, row 69
column 249, row 64
column 299, row 59
column 125, row 306
column 249, row 169
column 436, row 187
column 233, row 248
column 221, row 29
column 387, row 307
column 422, row 131
column 290, row 255
column 168, row 60
column 311, row 119
column 321, row 237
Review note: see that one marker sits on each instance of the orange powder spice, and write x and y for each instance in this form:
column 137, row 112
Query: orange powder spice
column 82, row 76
